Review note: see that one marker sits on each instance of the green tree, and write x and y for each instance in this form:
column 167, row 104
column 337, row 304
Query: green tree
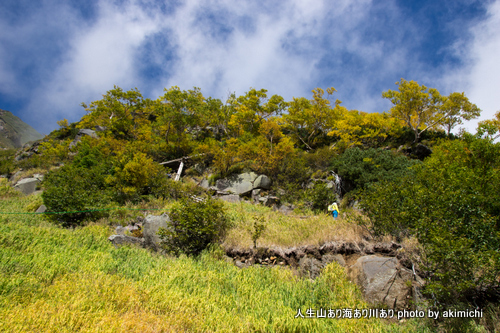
column 416, row 105
column 457, row 108
column 310, row 120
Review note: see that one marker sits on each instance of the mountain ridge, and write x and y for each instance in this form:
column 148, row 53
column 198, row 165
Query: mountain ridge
column 14, row 132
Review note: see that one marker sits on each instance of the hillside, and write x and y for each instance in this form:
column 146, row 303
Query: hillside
column 14, row 133
column 280, row 165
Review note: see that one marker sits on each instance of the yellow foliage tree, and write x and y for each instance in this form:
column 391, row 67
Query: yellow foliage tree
column 357, row 128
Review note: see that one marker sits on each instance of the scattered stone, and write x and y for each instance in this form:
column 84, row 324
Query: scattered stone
column 310, row 267
column 329, row 258
column 121, row 230
column 286, row 209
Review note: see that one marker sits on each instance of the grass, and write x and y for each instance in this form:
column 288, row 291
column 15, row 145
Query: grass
column 288, row 231
column 73, row 280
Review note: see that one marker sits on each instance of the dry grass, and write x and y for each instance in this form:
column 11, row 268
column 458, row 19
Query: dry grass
column 293, row 230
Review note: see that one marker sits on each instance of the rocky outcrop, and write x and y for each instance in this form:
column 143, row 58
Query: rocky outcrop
column 422, row 151
column 375, row 267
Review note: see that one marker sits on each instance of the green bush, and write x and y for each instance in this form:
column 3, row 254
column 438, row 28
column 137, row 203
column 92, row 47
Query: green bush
column 194, row 226
column 361, row 168
column 72, row 189
column 451, row 204
column 321, row 196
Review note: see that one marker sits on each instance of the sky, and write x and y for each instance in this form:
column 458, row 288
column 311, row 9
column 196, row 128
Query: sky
column 56, row 54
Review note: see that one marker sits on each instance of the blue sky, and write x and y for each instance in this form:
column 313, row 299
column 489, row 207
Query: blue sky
column 56, row 54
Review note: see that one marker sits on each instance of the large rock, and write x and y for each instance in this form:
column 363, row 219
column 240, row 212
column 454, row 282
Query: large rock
column 241, row 184
column 263, row 182
column 80, row 135
column 382, row 280
column 150, row 228
column 27, row 185
column 122, row 239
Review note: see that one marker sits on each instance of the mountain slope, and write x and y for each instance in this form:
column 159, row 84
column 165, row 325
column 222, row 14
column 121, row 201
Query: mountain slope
column 14, row 133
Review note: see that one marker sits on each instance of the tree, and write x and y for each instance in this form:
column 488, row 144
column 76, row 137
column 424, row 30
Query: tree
column 456, row 108
column 357, row 128
column 416, row 105
column 489, row 129
column 252, row 109
column 308, row 120
column 118, row 111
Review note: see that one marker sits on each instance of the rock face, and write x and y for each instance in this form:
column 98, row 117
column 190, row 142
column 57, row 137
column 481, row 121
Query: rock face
column 151, row 226
column 382, row 280
column 27, row 185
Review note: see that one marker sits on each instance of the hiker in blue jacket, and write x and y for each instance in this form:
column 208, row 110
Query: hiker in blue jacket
column 334, row 209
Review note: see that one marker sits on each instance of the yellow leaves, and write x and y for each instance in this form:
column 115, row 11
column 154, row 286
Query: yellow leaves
column 63, row 123
column 356, row 128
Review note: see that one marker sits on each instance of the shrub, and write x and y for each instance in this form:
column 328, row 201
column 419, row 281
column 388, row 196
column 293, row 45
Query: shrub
column 364, row 167
column 194, row 225
column 321, row 196
column 452, row 205
column 72, row 189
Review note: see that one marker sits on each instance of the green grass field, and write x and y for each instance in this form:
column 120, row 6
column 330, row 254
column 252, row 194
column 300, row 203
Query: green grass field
column 74, row 280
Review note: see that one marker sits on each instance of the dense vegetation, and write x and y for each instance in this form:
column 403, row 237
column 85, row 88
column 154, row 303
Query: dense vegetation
column 448, row 201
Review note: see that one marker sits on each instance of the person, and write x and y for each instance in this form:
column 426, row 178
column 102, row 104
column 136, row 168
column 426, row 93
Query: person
column 334, row 208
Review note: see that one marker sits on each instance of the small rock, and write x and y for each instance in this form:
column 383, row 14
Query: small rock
column 41, row 209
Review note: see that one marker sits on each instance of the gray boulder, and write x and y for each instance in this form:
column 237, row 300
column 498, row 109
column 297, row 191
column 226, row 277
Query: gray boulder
column 263, row 182
column 382, row 280
column 241, row 184
column 150, row 228
column 122, row 239
column 27, row 185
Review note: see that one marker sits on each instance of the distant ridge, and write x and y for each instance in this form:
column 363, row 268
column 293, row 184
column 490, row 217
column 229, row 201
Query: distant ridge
column 14, row 133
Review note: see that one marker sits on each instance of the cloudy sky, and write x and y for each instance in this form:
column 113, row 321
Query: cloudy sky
column 56, row 54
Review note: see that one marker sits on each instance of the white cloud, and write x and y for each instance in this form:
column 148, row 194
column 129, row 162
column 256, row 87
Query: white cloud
column 480, row 79
column 99, row 55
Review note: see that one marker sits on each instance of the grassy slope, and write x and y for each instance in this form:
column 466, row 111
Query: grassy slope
column 16, row 126
column 62, row 280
